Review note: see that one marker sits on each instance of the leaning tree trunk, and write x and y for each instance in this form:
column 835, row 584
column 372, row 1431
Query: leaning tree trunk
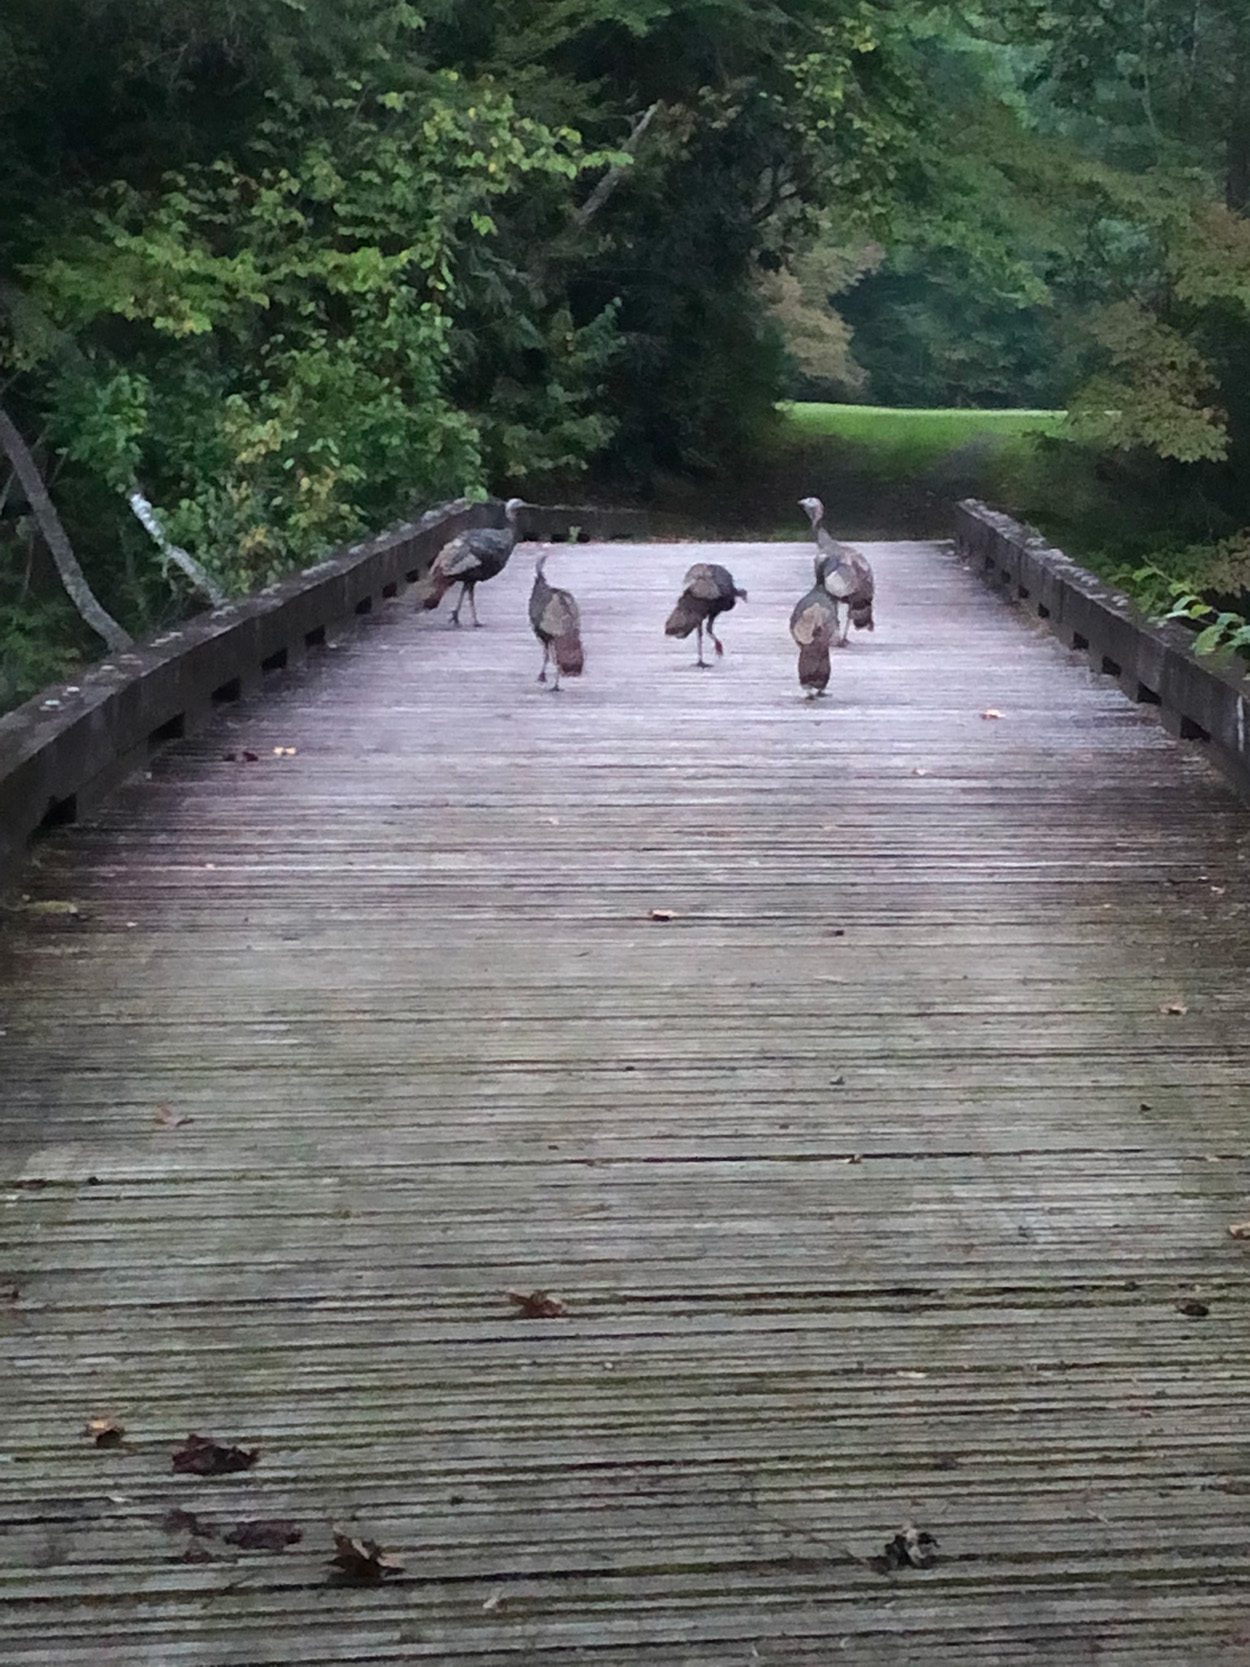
column 55, row 537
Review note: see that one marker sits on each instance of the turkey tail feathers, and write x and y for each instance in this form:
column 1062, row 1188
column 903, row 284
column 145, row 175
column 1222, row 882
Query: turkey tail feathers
column 684, row 618
column 814, row 662
column 433, row 589
column 568, row 654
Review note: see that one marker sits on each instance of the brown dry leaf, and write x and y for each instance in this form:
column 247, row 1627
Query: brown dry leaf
column 362, row 1560
column 1239, row 1230
column 1177, row 1008
column 664, row 914
column 105, row 1432
column 196, row 1554
column 167, row 1118
column 264, row 1535
column 991, row 712
column 201, row 1456
column 1193, row 1309
column 538, row 1305
column 178, row 1521
column 911, row 1548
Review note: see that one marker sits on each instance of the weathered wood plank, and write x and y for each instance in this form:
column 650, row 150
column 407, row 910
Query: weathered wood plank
column 872, row 1181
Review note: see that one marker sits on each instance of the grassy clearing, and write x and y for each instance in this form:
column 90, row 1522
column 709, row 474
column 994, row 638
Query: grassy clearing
column 902, row 443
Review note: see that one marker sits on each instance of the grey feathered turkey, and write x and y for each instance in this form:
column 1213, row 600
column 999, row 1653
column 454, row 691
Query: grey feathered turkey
column 846, row 574
column 557, row 625
column 709, row 592
column 470, row 559
column 814, row 626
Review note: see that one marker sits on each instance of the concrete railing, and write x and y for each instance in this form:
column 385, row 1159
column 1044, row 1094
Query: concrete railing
column 1199, row 697
column 64, row 750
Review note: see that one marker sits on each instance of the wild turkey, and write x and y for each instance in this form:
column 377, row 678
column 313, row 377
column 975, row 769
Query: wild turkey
column 470, row 559
column 847, row 576
column 709, row 592
column 557, row 625
column 814, row 626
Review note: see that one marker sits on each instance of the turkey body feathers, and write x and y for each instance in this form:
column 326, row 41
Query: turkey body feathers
column 814, row 625
column 469, row 560
column 709, row 591
column 557, row 624
column 844, row 572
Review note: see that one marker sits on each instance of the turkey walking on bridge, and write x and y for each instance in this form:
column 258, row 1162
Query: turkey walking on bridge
column 470, row 559
column 709, row 591
column 557, row 625
column 845, row 574
column 814, row 625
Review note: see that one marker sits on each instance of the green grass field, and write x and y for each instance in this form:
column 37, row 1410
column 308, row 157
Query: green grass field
column 905, row 442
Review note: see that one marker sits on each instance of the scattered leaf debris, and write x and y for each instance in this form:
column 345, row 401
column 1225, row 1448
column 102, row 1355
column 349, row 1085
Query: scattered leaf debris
column 1178, row 1008
column 362, row 1560
column 196, row 1553
column 167, row 1118
column 991, row 712
column 178, row 1521
column 911, row 1548
column 663, row 915
column 105, row 1432
column 1239, row 1230
column 1192, row 1308
column 264, row 1535
column 201, row 1456
column 537, row 1305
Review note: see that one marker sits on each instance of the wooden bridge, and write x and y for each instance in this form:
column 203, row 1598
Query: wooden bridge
column 866, row 1079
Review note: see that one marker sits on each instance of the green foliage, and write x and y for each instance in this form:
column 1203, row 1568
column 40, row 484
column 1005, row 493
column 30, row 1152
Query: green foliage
column 294, row 266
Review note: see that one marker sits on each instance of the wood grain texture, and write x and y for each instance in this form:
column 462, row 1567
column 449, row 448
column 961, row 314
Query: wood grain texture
column 872, row 1180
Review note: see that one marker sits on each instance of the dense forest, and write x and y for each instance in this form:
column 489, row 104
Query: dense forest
column 276, row 271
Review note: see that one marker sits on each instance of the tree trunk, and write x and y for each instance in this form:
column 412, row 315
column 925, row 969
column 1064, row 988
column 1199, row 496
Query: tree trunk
column 55, row 537
column 1237, row 167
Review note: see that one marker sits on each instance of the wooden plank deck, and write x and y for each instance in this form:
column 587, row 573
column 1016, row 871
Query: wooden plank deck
column 872, row 1181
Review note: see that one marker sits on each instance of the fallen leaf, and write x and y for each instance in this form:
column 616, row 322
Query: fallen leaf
column 1239, row 1230
column 250, row 757
column 178, row 1521
column 105, row 1432
column 991, row 712
column 1193, row 1309
column 538, row 1305
column 911, row 1548
column 167, row 1118
column 196, row 1553
column 664, row 914
column 272, row 1535
column 1145, row 1106
column 1174, row 1007
column 362, row 1559
column 201, row 1456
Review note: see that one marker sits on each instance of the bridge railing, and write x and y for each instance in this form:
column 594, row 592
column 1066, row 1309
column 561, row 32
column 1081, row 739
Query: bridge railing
column 63, row 751
column 1198, row 697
